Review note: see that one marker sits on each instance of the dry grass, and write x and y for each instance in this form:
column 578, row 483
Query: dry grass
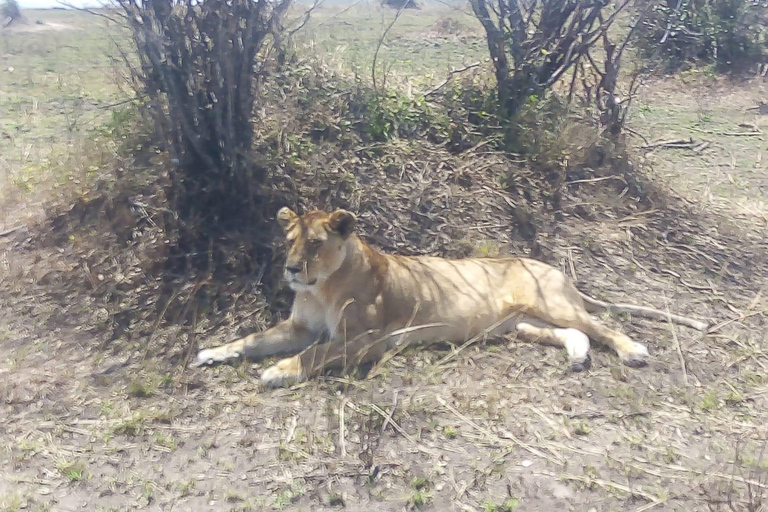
column 98, row 406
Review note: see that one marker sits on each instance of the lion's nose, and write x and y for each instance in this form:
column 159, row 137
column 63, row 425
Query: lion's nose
column 293, row 269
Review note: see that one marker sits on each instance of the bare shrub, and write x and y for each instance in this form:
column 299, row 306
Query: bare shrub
column 560, row 102
column 199, row 67
column 730, row 34
column 536, row 43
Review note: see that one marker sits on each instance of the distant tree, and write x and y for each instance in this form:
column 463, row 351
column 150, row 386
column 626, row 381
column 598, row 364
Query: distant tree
column 400, row 4
column 9, row 12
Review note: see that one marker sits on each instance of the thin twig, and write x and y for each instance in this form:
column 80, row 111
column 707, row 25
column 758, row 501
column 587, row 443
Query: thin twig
column 9, row 231
column 381, row 42
column 743, row 134
column 719, row 326
column 484, row 333
column 403, row 433
column 123, row 102
column 507, row 435
column 712, row 474
column 606, row 484
column 304, row 18
column 677, row 344
column 339, row 13
column 643, row 311
column 595, row 180
column 342, row 429
column 92, row 12
column 675, row 143
column 451, row 75
column 391, row 412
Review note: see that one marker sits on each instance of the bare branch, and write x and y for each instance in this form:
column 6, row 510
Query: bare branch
column 381, row 42
column 355, row 4
column 92, row 12
column 305, row 18
column 451, row 75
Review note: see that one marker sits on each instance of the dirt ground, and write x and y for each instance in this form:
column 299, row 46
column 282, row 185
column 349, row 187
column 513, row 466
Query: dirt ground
column 92, row 418
column 90, row 423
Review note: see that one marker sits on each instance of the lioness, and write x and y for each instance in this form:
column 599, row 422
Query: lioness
column 364, row 303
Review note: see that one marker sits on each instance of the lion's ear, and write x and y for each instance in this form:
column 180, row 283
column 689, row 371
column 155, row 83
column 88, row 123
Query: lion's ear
column 342, row 222
column 286, row 217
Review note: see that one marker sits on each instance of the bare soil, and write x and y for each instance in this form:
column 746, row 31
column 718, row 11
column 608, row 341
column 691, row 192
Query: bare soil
column 96, row 417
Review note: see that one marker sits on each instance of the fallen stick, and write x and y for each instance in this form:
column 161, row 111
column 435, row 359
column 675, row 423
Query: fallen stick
column 8, row 232
column 677, row 143
column 643, row 311
column 701, row 147
column 743, row 134
column 679, row 348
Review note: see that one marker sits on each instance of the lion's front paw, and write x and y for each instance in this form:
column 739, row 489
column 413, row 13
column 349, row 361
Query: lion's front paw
column 284, row 373
column 212, row 356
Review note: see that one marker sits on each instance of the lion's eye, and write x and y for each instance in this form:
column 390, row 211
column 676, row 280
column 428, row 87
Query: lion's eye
column 315, row 242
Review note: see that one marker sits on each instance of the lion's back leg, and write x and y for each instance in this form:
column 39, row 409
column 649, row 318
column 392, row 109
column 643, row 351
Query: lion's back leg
column 630, row 352
column 558, row 303
column 575, row 342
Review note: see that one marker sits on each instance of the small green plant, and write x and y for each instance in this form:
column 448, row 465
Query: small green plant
column 449, row 432
column 419, row 483
column 420, row 496
column 166, row 441
column 74, row 471
column 508, row 506
column 671, row 456
column 487, row 249
column 31, row 447
column 709, row 402
column 390, row 115
column 233, row 496
column 733, row 398
column 186, row 488
column 419, row 499
column 130, row 427
column 11, row 502
column 287, row 496
column 581, row 428
column 336, row 500
column 139, row 389
column 147, row 491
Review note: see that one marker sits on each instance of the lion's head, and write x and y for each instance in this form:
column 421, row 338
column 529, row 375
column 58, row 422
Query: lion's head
column 316, row 245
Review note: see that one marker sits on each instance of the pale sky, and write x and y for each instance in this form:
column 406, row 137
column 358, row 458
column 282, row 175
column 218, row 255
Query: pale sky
column 46, row 4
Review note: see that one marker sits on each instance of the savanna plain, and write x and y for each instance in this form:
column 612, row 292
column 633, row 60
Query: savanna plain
column 100, row 409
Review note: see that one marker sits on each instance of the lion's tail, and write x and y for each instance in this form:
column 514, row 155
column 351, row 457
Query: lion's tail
column 598, row 306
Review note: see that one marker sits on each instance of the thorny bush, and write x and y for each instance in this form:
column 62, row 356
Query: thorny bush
column 534, row 44
column 732, row 35
column 200, row 64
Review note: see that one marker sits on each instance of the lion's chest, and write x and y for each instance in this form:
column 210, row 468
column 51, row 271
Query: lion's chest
column 352, row 316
